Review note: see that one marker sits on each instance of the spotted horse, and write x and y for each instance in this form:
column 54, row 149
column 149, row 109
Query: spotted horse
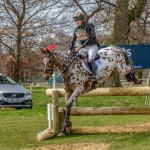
column 77, row 80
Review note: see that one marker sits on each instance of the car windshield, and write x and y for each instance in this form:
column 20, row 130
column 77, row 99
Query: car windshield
column 7, row 80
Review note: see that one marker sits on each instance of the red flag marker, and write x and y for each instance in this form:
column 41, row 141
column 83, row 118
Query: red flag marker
column 51, row 47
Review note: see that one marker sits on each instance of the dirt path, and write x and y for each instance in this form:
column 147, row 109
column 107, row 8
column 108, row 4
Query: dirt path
column 81, row 146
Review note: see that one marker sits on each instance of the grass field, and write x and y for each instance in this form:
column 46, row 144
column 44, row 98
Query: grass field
column 19, row 128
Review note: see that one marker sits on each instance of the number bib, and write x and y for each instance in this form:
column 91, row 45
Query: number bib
column 81, row 34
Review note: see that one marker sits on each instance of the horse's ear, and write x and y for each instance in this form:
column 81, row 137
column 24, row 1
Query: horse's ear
column 43, row 51
column 49, row 52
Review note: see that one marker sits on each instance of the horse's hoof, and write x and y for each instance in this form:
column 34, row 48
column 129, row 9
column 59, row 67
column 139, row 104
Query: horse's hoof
column 61, row 134
column 138, row 82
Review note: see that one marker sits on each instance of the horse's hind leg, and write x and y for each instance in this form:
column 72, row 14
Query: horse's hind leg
column 134, row 78
column 128, row 77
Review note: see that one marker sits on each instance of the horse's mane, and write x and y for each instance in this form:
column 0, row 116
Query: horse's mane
column 62, row 53
column 69, row 57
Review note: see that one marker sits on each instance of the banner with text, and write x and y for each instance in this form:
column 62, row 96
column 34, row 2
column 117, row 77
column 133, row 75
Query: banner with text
column 140, row 55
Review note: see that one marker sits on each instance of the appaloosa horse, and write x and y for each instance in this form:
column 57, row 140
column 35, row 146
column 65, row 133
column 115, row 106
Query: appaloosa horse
column 77, row 80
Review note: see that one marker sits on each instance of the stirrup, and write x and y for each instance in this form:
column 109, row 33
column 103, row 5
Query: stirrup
column 94, row 80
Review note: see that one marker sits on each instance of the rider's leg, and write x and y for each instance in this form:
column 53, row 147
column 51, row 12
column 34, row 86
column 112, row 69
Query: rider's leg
column 93, row 67
column 93, row 50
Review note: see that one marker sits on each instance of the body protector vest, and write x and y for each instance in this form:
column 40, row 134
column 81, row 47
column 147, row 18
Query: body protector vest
column 86, row 35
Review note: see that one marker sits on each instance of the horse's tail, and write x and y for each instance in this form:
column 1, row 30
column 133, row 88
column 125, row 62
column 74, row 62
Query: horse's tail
column 131, row 76
column 127, row 58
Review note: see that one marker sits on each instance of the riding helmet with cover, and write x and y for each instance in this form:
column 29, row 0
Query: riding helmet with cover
column 79, row 16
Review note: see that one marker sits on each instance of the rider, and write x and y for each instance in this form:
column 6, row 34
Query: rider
column 89, row 44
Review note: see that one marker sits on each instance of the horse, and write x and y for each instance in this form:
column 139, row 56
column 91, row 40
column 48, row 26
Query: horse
column 77, row 80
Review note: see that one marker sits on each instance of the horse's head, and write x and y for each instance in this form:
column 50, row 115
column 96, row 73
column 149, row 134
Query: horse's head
column 49, row 62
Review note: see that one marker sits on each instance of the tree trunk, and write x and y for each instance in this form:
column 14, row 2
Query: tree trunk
column 121, row 22
column 118, row 36
column 17, row 58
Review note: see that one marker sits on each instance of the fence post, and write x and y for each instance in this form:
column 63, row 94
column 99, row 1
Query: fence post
column 42, row 88
column 55, row 101
column 50, row 115
column 147, row 96
column 61, row 118
column 31, row 88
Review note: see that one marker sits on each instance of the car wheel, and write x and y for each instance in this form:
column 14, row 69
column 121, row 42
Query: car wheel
column 31, row 104
column 18, row 108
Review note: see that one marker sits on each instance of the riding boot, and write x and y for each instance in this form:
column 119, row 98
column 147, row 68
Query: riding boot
column 93, row 67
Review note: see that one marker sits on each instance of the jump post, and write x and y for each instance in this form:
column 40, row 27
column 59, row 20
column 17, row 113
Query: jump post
column 59, row 113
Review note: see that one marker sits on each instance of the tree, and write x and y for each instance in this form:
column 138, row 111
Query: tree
column 23, row 24
column 123, row 18
column 121, row 30
column 28, row 25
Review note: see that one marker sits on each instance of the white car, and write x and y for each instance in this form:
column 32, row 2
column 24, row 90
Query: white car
column 13, row 94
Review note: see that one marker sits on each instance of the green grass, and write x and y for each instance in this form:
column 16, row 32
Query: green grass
column 19, row 128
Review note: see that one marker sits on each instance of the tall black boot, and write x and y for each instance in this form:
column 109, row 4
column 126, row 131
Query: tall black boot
column 93, row 67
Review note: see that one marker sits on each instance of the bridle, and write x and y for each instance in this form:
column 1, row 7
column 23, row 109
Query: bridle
column 48, row 71
column 51, row 61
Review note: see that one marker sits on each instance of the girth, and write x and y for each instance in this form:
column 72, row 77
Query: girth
column 83, row 57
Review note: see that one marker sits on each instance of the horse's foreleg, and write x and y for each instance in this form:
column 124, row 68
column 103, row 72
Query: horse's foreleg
column 67, row 123
column 74, row 95
column 135, row 79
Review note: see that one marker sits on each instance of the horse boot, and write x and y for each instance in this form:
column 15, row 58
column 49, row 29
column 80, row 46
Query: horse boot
column 68, row 123
column 128, row 77
column 93, row 69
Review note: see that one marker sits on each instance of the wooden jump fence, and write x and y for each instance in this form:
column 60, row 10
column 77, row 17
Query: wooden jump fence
column 59, row 113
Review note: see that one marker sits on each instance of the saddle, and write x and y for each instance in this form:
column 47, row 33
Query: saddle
column 85, row 60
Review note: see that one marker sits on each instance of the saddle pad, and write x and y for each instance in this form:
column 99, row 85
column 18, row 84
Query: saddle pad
column 100, row 64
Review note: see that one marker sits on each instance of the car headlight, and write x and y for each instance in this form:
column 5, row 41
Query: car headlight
column 1, row 98
column 28, row 93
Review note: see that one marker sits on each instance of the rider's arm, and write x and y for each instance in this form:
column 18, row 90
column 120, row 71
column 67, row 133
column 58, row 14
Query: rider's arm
column 73, row 42
column 89, row 35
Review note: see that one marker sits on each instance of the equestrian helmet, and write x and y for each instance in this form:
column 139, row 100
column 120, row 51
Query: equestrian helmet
column 79, row 16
